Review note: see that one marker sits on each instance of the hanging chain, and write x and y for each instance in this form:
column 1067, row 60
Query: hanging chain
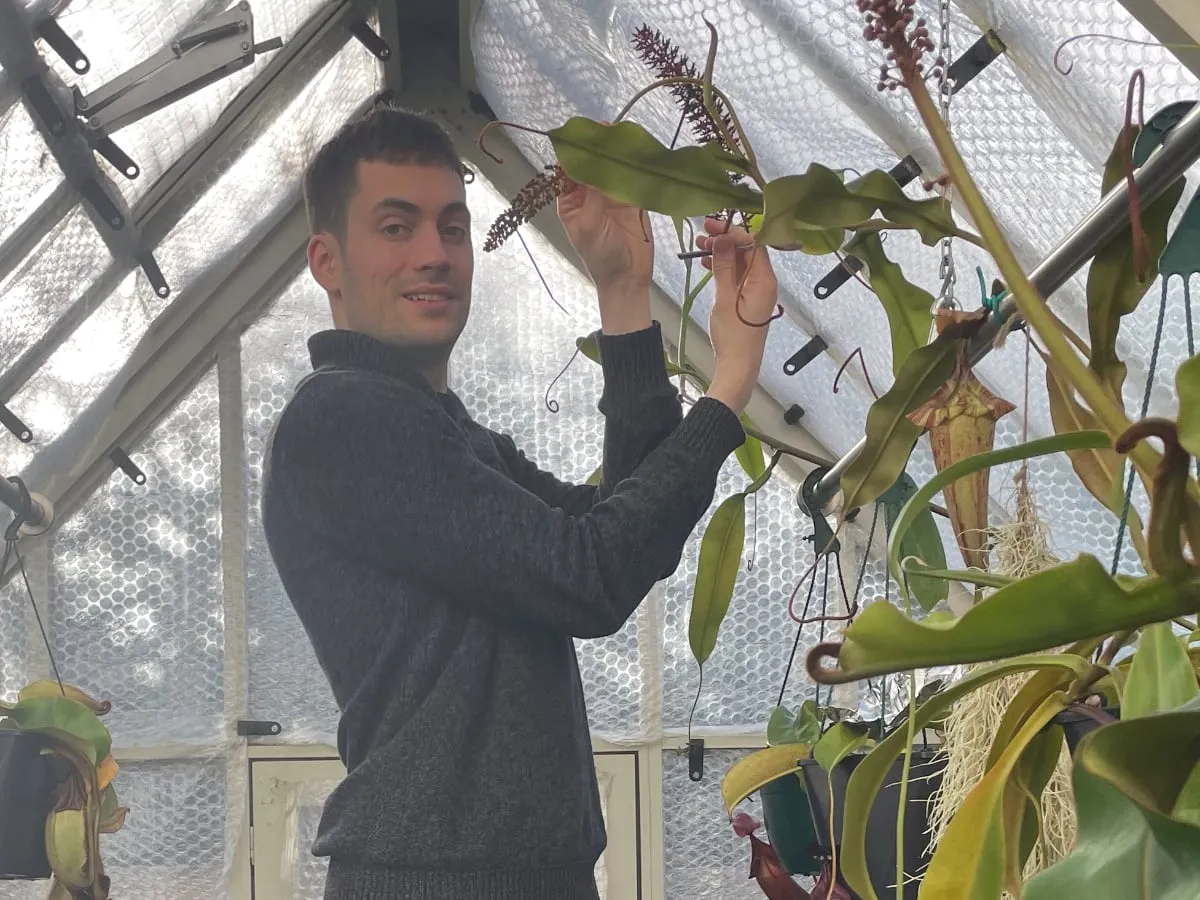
column 946, row 271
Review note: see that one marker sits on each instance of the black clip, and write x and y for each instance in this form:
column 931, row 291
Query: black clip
column 120, row 160
column 805, row 355
column 978, row 57
column 154, row 274
column 373, row 42
column 793, row 414
column 256, row 728
column 51, row 32
column 696, row 759
column 19, row 429
column 121, row 460
column 823, row 538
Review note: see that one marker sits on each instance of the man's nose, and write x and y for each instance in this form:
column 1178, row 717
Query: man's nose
column 430, row 249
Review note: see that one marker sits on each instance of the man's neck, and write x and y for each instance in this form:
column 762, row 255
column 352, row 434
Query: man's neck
column 438, row 377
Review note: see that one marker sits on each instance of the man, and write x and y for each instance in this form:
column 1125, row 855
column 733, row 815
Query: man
column 439, row 574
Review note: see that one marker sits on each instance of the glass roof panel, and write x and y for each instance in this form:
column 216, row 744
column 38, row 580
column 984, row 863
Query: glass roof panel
column 29, row 173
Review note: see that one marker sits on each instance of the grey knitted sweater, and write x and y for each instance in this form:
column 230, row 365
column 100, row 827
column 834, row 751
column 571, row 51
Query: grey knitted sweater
column 441, row 577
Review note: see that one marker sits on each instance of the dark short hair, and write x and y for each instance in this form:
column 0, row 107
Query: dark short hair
column 384, row 133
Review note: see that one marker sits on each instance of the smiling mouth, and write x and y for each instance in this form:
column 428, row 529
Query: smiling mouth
column 428, row 298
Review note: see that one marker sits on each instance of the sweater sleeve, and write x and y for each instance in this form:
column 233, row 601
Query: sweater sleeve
column 640, row 404
column 380, row 471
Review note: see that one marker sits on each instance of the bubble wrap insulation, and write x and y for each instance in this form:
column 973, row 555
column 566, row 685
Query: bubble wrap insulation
column 703, row 858
column 29, row 174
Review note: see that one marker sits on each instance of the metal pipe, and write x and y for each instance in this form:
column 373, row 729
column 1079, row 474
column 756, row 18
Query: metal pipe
column 40, row 514
column 1180, row 150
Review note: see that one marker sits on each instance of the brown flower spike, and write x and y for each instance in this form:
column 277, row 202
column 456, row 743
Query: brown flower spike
column 894, row 24
column 542, row 190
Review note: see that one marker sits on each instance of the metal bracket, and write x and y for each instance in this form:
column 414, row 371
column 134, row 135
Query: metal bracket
column 805, row 355
column 257, row 728
column 121, row 460
column 208, row 52
column 52, row 33
column 696, row 759
column 366, row 36
column 19, row 429
column 822, row 537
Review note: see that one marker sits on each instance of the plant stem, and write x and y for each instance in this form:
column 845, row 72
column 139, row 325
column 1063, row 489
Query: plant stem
column 1031, row 306
column 1100, row 669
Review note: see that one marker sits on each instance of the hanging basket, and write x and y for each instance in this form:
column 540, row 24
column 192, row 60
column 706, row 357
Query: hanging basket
column 789, row 821
column 26, row 796
column 925, row 777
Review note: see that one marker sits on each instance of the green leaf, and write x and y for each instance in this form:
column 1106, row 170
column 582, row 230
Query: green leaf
column 1187, row 807
column 596, row 477
column 720, row 557
column 750, row 454
column 917, row 503
column 66, row 720
column 839, row 742
column 1161, row 678
column 627, row 163
column 970, row 861
column 909, row 308
column 922, row 540
column 1187, row 386
column 891, row 435
column 870, row 774
column 1128, row 776
column 589, row 346
column 814, row 210
column 1113, row 288
column 803, row 727
column 1073, row 601
column 915, row 571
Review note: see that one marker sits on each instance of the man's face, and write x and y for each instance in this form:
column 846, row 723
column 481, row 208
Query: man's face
column 402, row 273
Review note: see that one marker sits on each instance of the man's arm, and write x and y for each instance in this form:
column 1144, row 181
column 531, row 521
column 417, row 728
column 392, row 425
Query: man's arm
column 387, row 476
column 640, row 406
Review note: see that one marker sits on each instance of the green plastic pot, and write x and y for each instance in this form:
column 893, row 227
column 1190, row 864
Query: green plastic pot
column 789, row 821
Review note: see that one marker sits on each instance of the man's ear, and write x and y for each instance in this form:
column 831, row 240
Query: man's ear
column 324, row 262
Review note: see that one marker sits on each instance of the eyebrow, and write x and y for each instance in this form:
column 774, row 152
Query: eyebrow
column 396, row 204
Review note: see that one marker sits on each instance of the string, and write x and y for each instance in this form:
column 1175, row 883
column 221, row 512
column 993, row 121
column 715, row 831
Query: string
column 12, row 536
column 1125, row 506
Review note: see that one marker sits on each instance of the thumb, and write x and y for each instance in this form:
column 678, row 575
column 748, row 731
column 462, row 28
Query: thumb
column 724, row 261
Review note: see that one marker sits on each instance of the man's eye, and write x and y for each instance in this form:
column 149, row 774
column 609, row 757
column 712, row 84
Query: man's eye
column 395, row 229
column 455, row 231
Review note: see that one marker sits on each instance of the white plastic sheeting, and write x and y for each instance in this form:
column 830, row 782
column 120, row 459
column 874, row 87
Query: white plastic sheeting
column 161, row 597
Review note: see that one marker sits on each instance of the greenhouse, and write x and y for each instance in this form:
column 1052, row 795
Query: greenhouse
column 884, row 584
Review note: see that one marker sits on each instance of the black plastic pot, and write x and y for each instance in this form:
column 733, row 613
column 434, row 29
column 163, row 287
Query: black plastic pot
column 1076, row 725
column 26, row 796
column 925, row 777
column 789, row 821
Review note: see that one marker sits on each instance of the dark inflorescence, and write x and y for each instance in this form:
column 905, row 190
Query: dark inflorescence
column 664, row 59
column 541, row 190
column 894, row 24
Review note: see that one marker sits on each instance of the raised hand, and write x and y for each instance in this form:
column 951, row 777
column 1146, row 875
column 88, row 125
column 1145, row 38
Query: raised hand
column 617, row 247
column 747, row 291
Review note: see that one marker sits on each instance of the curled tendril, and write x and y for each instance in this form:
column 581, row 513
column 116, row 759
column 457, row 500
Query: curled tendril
column 1169, row 518
column 817, row 672
column 552, row 404
column 497, row 124
column 1109, row 37
column 1141, row 243
column 866, row 374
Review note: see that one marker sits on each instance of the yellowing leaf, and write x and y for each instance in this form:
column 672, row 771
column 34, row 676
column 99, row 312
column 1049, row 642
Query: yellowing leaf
column 749, row 774
column 1187, row 386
